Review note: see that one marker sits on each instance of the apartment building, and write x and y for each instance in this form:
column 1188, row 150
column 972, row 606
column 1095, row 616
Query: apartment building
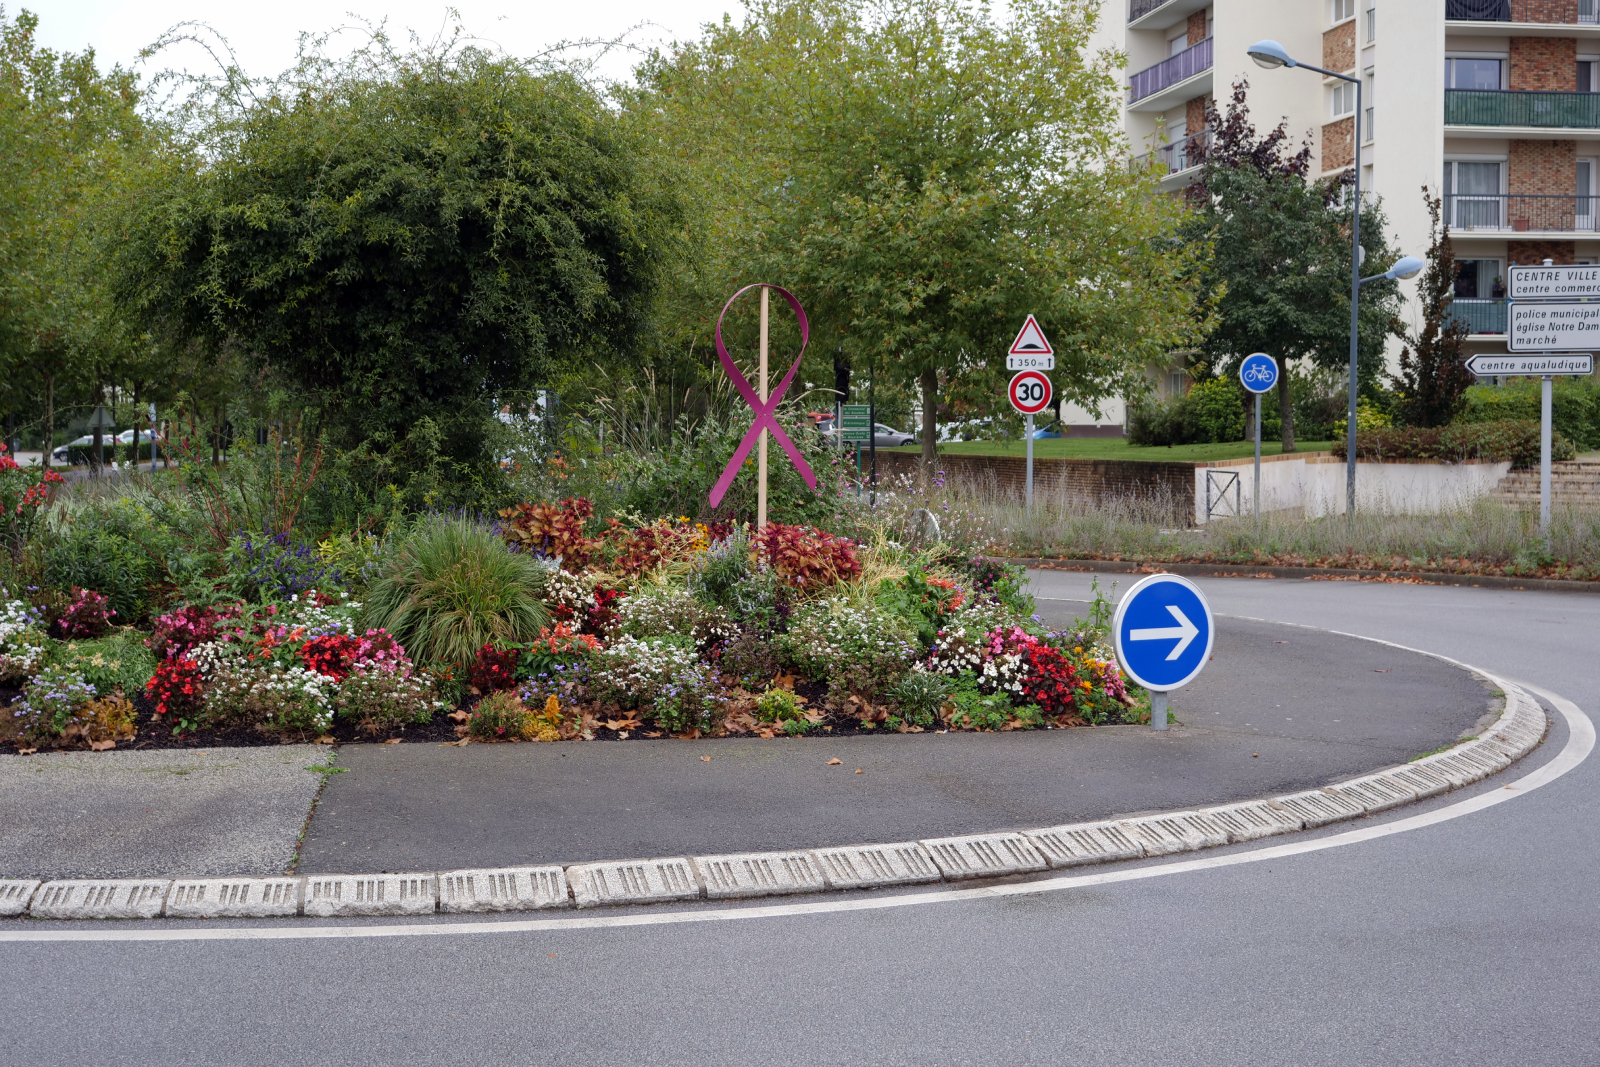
column 1493, row 104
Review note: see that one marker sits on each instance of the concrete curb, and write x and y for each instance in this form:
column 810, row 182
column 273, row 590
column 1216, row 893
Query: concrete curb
column 1251, row 570
column 1519, row 729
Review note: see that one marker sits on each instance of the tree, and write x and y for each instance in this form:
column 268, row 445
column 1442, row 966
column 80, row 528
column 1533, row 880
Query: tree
column 66, row 133
column 923, row 175
column 1433, row 377
column 406, row 240
column 1281, row 257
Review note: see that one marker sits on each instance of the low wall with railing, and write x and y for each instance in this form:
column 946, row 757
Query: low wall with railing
column 1314, row 484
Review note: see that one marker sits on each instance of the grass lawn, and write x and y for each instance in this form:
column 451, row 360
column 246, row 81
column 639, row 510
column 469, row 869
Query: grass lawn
column 1118, row 448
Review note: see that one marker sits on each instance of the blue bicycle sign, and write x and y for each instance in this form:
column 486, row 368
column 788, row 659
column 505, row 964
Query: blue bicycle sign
column 1258, row 372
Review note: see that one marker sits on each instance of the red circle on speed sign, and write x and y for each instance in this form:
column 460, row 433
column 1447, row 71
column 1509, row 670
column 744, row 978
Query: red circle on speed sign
column 1030, row 392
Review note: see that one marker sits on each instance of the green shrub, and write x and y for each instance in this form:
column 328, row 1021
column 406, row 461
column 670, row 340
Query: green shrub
column 976, row 710
column 1212, row 411
column 452, row 587
column 117, row 661
column 498, row 717
column 117, row 548
column 920, row 696
column 854, row 649
column 1574, row 407
column 1510, row 440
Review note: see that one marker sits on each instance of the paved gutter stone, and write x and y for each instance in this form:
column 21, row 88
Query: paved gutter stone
column 1183, row 831
column 1081, row 843
column 1376, row 792
column 503, row 889
column 862, row 866
column 1460, row 772
column 632, row 882
column 1490, row 752
column 108, row 898
column 1475, row 752
column 1316, row 808
column 1424, row 781
column 233, row 898
column 758, row 874
column 984, row 855
column 15, row 894
column 1252, row 820
column 328, row 895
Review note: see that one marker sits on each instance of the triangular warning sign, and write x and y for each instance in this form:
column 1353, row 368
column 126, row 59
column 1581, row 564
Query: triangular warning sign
column 1030, row 341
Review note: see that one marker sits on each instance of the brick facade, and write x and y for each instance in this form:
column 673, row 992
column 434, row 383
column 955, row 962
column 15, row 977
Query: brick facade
column 1194, row 114
column 1533, row 253
column 1337, row 150
column 1197, row 28
column 1542, row 168
column 1544, row 64
column 1099, row 481
column 1339, row 47
column 1565, row 11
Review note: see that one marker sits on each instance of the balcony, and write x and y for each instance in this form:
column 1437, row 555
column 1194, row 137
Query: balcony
column 1160, row 14
column 1528, row 110
column 1482, row 214
column 1181, row 156
column 1480, row 316
column 1148, row 90
column 1500, row 10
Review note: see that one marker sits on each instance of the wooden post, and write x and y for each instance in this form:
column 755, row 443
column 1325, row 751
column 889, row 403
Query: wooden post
column 761, row 447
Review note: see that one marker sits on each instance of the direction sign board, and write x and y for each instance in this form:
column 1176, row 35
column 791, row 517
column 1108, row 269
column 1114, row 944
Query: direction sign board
column 855, row 422
column 1162, row 632
column 1553, row 283
column 1258, row 372
column 1569, row 326
column 1533, row 366
column 1030, row 392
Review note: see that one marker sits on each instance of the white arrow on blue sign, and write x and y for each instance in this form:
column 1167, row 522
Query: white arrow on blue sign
column 1162, row 632
column 1258, row 372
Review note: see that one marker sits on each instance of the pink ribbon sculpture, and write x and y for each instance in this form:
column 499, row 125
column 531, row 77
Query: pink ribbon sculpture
column 766, row 410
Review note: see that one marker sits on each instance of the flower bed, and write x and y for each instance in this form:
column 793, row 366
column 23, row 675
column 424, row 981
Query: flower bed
column 651, row 629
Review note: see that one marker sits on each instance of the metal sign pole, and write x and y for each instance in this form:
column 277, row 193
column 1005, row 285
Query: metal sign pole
column 1544, row 459
column 1256, row 498
column 1029, row 433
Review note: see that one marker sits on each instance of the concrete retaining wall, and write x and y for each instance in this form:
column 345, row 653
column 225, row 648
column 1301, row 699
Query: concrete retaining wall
column 1314, row 483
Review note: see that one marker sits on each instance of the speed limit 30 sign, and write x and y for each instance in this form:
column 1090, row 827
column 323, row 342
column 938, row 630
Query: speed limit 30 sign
column 1030, row 392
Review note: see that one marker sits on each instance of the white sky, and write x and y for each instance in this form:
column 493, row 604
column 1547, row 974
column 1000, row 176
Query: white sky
column 264, row 34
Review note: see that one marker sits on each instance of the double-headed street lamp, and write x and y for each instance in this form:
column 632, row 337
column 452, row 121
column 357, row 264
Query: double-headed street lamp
column 1271, row 55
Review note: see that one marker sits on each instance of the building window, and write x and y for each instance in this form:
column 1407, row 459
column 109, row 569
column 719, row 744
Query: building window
column 1368, row 81
column 1178, row 44
column 1342, row 99
column 1479, row 279
column 1587, row 70
column 1473, row 73
column 1472, row 199
column 1372, row 22
column 1343, row 9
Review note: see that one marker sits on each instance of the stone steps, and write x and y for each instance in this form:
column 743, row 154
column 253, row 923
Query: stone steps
column 1571, row 482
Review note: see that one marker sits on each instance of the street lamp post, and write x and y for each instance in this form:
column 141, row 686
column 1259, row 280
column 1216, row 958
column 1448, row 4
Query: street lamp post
column 1271, row 55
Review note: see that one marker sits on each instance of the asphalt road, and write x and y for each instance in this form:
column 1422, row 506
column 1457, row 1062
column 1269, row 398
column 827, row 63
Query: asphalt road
column 1278, row 711
column 1471, row 940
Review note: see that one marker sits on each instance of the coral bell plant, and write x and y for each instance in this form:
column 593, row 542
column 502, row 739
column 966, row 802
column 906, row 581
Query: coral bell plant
column 806, row 557
column 494, row 669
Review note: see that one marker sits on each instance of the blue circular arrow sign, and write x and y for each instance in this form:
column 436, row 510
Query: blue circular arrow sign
column 1258, row 372
column 1162, row 632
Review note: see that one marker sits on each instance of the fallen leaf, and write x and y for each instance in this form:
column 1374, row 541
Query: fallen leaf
column 464, row 742
column 623, row 724
column 783, row 681
column 461, row 731
column 1257, row 755
column 705, row 759
column 458, row 716
column 622, row 735
column 26, row 751
column 552, row 955
column 101, row 746
column 689, row 735
column 835, row 762
column 1382, row 670
column 860, row 771
column 394, row 740
column 325, row 739
column 653, row 734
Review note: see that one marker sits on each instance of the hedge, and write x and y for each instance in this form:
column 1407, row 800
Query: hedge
column 1574, row 407
column 1504, row 439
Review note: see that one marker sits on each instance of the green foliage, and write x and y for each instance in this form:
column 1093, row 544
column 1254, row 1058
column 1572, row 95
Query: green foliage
column 498, row 717
column 1574, row 407
column 1433, row 375
column 1211, row 412
column 452, row 587
column 923, row 174
column 117, row 548
column 974, row 709
column 782, row 706
column 920, row 697
column 117, row 661
column 855, row 649
column 1281, row 256
column 405, row 240
column 1506, row 440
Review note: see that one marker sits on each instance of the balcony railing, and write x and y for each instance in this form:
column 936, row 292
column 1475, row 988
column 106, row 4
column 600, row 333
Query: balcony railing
column 1182, row 154
column 1506, row 107
column 1184, row 65
column 1138, row 9
column 1521, row 214
column 1480, row 316
column 1500, row 10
